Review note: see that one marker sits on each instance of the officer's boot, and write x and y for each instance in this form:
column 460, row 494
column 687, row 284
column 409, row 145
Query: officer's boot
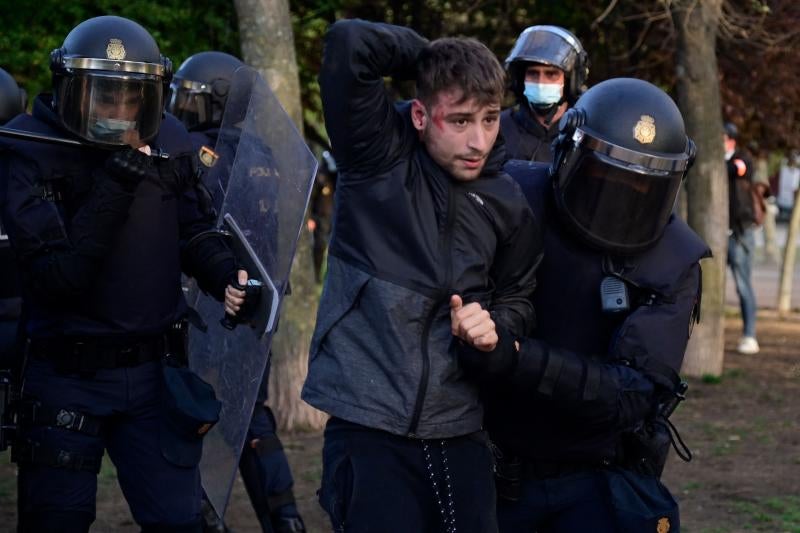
column 268, row 480
column 211, row 522
column 288, row 524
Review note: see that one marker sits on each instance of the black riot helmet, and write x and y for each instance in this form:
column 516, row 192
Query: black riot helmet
column 109, row 81
column 200, row 89
column 13, row 99
column 549, row 45
column 619, row 160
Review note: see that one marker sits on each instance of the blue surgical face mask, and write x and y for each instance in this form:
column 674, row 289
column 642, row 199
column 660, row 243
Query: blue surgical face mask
column 543, row 94
column 109, row 129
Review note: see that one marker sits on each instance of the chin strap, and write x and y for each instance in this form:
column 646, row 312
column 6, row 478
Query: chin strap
column 548, row 112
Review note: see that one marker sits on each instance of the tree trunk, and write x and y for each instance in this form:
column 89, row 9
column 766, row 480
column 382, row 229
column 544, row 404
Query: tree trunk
column 789, row 253
column 761, row 175
column 698, row 96
column 265, row 28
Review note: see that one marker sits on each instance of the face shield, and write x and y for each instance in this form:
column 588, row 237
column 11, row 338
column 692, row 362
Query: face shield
column 191, row 102
column 548, row 45
column 619, row 199
column 111, row 107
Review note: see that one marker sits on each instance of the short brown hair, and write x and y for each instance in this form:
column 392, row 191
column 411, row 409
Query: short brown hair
column 460, row 63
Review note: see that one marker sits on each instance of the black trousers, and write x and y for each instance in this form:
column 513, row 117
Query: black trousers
column 374, row 481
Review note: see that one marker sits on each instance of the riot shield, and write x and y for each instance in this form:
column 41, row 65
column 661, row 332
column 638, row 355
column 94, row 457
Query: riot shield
column 265, row 188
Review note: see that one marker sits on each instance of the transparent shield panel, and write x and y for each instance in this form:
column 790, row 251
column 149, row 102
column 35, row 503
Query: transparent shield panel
column 265, row 186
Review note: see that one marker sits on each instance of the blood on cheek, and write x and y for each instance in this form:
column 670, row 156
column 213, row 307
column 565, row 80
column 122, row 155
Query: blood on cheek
column 438, row 120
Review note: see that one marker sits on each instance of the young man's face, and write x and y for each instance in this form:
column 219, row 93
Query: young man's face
column 457, row 134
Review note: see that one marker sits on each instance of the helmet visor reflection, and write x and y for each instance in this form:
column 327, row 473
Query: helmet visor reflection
column 544, row 47
column 112, row 110
column 618, row 207
column 192, row 107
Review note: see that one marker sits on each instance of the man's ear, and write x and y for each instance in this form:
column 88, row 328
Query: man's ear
column 419, row 115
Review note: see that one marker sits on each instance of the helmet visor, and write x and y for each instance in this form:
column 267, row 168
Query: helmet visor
column 546, row 47
column 109, row 109
column 618, row 207
column 191, row 103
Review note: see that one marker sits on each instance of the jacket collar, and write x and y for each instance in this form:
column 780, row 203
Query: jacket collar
column 43, row 110
column 523, row 116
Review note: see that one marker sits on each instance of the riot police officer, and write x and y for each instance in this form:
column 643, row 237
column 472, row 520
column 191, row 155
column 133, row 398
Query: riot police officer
column 13, row 101
column 102, row 232
column 198, row 95
column 579, row 411
column 547, row 69
column 13, row 98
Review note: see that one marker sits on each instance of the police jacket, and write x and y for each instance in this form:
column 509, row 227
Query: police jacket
column 100, row 256
column 587, row 377
column 204, row 144
column 406, row 237
column 525, row 137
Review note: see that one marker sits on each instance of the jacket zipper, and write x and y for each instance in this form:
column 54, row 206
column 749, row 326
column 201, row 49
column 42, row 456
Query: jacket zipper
column 444, row 298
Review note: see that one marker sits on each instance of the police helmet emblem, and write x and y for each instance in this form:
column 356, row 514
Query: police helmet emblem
column 663, row 525
column 208, row 156
column 115, row 50
column 645, row 129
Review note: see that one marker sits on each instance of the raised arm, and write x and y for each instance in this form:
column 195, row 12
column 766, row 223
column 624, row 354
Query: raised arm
column 360, row 115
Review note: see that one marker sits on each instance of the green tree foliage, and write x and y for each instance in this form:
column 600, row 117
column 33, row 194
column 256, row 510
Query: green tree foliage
column 759, row 56
column 30, row 30
column 758, row 45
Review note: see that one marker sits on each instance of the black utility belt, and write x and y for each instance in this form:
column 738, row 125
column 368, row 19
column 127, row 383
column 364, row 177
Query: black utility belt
column 72, row 354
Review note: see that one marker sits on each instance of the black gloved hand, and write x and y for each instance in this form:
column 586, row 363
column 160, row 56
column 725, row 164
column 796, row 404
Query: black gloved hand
column 128, row 166
column 498, row 363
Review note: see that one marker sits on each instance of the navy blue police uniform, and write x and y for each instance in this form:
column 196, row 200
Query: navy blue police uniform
column 579, row 411
column 101, row 259
column 588, row 380
column 526, row 138
column 13, row 101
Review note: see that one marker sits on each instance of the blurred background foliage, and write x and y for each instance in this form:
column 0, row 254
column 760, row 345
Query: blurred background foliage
column 759, row 56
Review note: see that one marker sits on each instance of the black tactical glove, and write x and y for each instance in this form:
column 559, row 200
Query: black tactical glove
column 485, row 365
column 128, row 166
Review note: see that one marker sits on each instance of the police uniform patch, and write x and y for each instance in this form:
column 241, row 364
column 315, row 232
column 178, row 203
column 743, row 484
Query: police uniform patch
column 645, row 129
column 115, row 50
column 208, row 156
column 663, row 525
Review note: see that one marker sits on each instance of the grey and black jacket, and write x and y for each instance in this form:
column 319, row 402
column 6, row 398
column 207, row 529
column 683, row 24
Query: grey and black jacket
column 406, row 236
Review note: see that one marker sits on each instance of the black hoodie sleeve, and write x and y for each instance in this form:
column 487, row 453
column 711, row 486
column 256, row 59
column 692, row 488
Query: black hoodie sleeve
column 513, row 272
column 365, row 128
